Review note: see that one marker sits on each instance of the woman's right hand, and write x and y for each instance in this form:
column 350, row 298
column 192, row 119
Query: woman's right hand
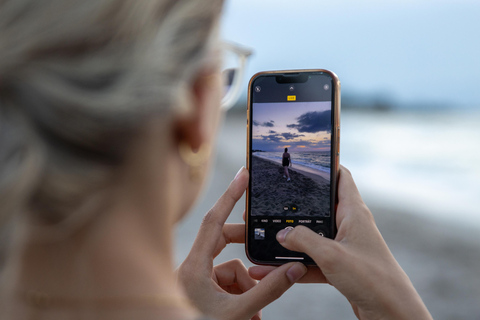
column 227, row 291
column 357, row 262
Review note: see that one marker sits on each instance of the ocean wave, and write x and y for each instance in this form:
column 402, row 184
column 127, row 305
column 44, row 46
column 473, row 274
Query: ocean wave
column 315, row 160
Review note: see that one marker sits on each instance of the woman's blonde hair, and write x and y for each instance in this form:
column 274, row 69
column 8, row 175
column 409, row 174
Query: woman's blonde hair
column 77, row 79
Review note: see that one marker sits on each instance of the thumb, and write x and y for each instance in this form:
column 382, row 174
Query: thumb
column 303, row 239
column 271, row 287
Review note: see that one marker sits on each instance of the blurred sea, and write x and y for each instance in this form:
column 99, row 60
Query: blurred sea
column 419, row 162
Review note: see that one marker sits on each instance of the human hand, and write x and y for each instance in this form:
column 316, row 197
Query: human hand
column 357, row 262
column 227, row 291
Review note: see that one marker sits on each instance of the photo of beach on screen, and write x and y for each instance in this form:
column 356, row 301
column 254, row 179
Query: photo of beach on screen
column 291, row 158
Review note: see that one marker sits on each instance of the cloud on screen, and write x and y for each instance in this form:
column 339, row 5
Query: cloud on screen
column 270, row 123
column 313, row 122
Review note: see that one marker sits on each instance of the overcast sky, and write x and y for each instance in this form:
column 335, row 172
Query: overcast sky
column 408, row 51
column 299, row 126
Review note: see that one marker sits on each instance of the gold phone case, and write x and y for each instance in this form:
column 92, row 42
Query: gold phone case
column 335, row 146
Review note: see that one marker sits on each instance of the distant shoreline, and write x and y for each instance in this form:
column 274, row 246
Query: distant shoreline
column 309, row 172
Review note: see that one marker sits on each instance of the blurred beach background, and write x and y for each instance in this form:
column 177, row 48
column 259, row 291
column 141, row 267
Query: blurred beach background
column 410, row 133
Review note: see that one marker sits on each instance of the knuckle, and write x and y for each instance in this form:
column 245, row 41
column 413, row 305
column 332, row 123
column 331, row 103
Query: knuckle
column 279, row 288
column 297, row 235
column 226, row 235
column 208, row 218
column 234, row 263
column 274, row 289
column 345, row 170
column 186, row 273
column 229, row 197
column 229, row 194
column 331, row 255
column 355, row 202
column 237, row 262
column 209, row 221
column 364, row 213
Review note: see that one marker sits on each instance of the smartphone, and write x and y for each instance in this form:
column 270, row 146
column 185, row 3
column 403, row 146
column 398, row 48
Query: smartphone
column 293, row 136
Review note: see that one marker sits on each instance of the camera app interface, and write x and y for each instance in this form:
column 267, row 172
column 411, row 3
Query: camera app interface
column 290, row 166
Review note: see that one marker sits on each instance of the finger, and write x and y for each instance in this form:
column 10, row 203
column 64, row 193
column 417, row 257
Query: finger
column 270, row 288
column 347, row 189
column 232, row 233
column 234, row 273
column 259, row 272
column 302, row 239
column 349, row 200
column 313, row 275
column 243, row 216
column 212, row 224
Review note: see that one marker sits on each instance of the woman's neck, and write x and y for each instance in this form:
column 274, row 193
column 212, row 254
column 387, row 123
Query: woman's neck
column 125, row 251
column 125, row 255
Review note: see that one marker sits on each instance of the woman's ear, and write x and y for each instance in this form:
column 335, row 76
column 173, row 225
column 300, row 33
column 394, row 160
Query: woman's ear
column 195, row 127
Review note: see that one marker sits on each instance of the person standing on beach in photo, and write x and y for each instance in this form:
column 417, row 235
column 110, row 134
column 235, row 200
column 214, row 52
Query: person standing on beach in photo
column 286, row 161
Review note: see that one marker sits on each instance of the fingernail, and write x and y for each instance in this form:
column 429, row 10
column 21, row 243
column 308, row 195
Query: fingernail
column 238, row 173
column 295, row 272
column 282, row 234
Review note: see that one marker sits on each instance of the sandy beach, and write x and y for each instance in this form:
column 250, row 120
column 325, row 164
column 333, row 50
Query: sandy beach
column 307, row 192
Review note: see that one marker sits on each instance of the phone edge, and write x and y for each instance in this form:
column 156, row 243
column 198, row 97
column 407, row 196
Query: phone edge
column 335, row 152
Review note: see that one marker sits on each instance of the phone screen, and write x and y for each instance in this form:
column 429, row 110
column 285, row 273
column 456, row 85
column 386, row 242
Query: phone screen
column 292, row 160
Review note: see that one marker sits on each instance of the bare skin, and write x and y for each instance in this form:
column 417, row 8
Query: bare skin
column 357, row 262
column 229, row 284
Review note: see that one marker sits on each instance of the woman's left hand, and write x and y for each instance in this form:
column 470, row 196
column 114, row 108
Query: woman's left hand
column 227, row 291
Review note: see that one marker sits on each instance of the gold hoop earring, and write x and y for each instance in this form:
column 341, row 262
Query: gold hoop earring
column 194, row 160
